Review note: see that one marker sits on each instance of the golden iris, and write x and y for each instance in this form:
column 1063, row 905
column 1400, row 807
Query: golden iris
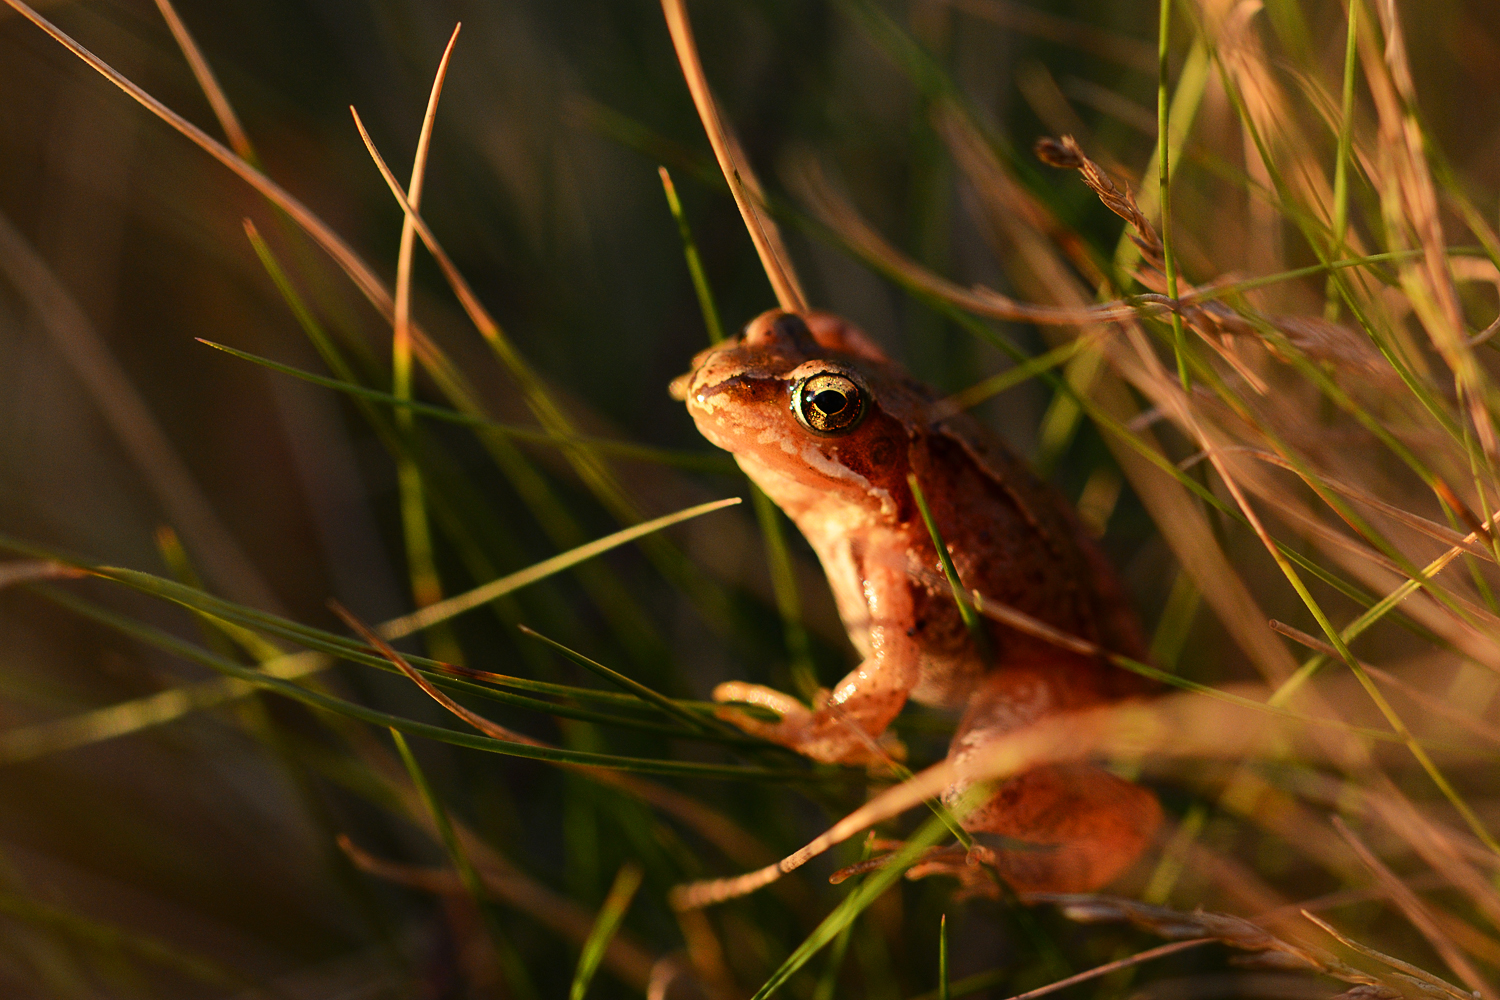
column 828, row 403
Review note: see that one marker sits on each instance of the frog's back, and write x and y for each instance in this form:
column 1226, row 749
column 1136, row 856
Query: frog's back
column 1015, row 539
column 1077, row 580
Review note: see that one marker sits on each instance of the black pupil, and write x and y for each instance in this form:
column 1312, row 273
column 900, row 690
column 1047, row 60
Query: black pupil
column 830, row 401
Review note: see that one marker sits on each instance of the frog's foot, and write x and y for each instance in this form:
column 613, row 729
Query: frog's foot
column 824, row 734
column 973, row 867
column 1058, row 828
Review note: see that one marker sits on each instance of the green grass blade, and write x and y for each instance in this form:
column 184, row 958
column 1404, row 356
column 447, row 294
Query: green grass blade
column 635, row 687
column 297, row 665
column 622, row 449
column 694, row 262
column 1341, row 165
column 352, row 710
column 509, row 961
column 1164, row 160
column 443, row 610
column 943, row 989
column 927, row 835
column 1012, row 377
column 112, row 938
column 784, row 588
column 978, row 632
column 627, row 881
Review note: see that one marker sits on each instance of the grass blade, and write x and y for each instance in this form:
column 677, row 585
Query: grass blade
column 627, row 881
column 927, row 835
column 443, row 610
column 510, row 962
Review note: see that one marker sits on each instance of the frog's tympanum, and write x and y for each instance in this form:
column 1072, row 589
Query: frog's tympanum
column 830, row 429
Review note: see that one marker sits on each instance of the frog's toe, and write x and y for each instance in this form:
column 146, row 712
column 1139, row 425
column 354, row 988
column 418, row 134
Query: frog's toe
column 779, row 702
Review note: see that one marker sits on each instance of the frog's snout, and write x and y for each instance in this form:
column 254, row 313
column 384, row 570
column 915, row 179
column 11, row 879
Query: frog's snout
column 680, row 386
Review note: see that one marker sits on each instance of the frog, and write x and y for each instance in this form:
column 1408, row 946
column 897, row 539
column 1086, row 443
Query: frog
column 830, row 428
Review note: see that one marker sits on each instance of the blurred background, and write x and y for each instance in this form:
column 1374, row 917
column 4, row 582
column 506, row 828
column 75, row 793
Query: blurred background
column 212, row 834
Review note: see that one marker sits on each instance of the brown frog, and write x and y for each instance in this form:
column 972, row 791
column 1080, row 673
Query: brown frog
column 822, row 421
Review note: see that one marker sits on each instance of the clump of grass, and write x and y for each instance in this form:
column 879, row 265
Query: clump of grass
column 1272, row 390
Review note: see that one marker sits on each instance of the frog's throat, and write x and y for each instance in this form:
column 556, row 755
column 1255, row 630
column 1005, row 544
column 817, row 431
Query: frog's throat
column 800, row 479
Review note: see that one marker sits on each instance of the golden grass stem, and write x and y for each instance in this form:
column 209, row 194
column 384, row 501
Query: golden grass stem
column 737, row 172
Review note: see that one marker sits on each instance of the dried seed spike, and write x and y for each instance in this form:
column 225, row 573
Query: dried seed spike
column 1065, row 153
column 1407, row 971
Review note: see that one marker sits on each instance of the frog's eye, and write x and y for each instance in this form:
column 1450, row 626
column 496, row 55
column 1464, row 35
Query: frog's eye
column 828, row 403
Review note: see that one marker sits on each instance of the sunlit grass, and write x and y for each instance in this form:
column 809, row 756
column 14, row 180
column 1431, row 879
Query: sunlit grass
column 1283, row 356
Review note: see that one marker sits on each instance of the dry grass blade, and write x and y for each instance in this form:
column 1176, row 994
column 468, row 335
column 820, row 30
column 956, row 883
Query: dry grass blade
column 1236, row 932
column 36, row 570
column 1115, row 966
column 171, row 482
column 1450, row 854
column 207, row 82
column 1267, row 950
column 426, row 582
column 1065, row 154
column 742, row 183
column 479, row 722
column 1432, row 292
column 1434, row 985
column 1471, row 544
column 1409, row 904
column 402, row 320
column 362, row 275
column 835, row 211
column 1434, row 705
column 588, row 466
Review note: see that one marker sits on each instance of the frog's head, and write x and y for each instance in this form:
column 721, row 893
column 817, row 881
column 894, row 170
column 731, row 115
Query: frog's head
column 798, row 399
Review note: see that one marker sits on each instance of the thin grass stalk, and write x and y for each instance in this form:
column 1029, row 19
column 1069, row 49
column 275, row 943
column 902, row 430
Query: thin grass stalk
column 446, row 375
column 929, row 834
column 694, row 263
column 616, row 903
column 737, row 172
column 778, row 557
column 1298, row 585
column 1163, row 120
column 426, row 584
column 1341, row 164
column 511, row 966
column 697, row 461
column 595, row 475
column 977, row 632
column 944, row 991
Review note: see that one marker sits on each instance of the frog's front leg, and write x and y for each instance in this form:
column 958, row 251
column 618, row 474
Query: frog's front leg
column 844, row 727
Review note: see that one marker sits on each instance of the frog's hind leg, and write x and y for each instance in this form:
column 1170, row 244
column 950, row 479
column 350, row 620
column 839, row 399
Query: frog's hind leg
column 1057, row 828
column 1066, row 827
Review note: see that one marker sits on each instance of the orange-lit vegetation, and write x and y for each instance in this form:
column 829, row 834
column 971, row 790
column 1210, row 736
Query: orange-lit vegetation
column 440, row 403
